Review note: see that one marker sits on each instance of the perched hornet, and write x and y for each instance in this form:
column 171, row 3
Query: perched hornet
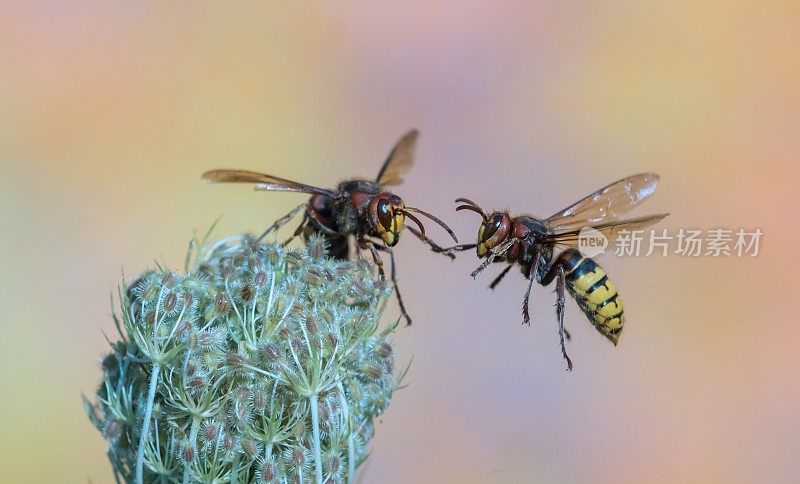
column 359, row 208
column 532, row 243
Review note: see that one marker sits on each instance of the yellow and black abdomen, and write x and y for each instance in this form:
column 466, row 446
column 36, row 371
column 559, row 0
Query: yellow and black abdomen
column 595, row 294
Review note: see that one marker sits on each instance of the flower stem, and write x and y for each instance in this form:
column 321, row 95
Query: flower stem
column 151, row 394
column 351, row 450
column 192, row 439
column 315, row 428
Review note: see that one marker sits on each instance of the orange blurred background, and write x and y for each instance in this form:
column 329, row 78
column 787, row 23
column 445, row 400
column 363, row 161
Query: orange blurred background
column 110, row 112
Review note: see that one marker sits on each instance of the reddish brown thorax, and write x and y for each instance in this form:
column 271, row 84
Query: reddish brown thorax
column 319, row 208
column 518, row 231
column 360, row 200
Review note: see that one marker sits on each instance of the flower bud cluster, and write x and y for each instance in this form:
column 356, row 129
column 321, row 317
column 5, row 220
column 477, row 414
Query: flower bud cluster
column 260, row 364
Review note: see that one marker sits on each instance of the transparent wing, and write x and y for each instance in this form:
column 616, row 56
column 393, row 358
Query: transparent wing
column 570, row 237
column 399, row 161
column 608, row 203
column 262, row 181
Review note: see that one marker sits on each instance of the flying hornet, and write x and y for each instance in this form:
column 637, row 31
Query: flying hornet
column 356, row 208
column 533, row 244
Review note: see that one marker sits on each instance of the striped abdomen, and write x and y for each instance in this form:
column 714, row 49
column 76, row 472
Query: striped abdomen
column 595, row 294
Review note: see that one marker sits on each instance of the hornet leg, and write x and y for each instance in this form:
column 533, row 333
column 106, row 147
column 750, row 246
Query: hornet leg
column 376, row 258
column 433, row 246
column 498, row 251
column 532, row 271
column 500, row 277
column 397, row 290
column 297, row 231
column 393, row 273
column 458, row 248
column 560, row 301
column 282, row 221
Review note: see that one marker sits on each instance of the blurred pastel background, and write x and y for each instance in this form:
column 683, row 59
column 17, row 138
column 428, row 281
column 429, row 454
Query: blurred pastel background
column 110, row 111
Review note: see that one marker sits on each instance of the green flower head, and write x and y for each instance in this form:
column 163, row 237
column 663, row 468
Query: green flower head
column 259, row 364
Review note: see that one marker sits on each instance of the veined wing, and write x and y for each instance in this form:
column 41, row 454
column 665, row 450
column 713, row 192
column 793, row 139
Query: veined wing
column 399, row 161
column 607, row 203
column 610, row 230
column 262, row 181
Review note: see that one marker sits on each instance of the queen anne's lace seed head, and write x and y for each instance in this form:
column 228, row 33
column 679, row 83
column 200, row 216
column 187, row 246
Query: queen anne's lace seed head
column 237, row 351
